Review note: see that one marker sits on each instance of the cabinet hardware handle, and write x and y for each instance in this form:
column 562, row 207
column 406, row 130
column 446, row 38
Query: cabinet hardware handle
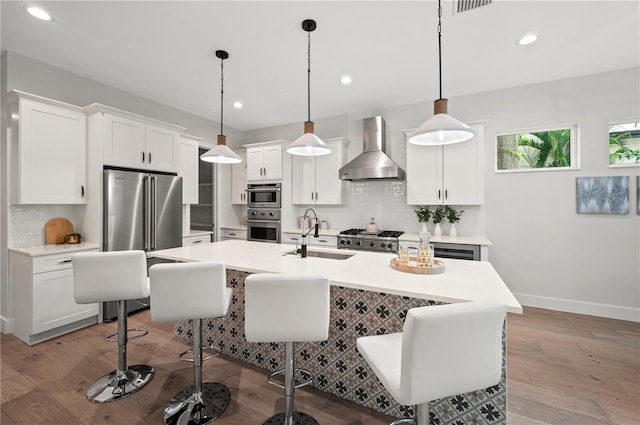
column 195, row 242
column 446, row 194
column 149, row 156
column 142, row 157
column 322, row 240
column 64, row 261
column 438, row 194
column 316, row 196
column 82, row 191
column 312, row 196
column 231, row 234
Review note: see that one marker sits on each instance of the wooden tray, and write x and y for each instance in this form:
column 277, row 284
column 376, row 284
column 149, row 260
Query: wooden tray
column 412, row 266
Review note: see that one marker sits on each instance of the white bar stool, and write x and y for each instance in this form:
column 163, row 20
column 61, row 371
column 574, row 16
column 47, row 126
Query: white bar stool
column 114, row 276
column 287, row 308
column 442, row 351
column 192, row 291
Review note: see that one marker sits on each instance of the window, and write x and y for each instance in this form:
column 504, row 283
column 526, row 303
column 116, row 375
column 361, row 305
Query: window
column 624, row 144
column 549, row 148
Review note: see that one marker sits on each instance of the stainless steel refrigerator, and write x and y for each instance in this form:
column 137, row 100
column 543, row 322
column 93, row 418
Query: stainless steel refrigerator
column 142, row 210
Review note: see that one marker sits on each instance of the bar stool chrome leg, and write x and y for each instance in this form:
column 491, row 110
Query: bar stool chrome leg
column 122, row 382
column 289, row 416
column 200, row 403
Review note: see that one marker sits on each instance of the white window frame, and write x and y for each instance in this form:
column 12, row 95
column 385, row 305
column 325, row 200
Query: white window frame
column 574, row 149
column 621, row 121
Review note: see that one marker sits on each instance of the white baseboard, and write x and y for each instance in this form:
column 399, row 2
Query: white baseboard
column 580, row 307
column 6, row 325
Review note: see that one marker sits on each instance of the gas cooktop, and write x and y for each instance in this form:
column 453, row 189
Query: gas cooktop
column 359, row 239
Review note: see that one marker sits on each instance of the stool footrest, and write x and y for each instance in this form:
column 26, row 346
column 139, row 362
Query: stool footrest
column 143, row 332
column 216, row 353
column 305, row 377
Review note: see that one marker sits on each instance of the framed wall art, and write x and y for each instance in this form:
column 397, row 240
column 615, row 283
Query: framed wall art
column 603, row 195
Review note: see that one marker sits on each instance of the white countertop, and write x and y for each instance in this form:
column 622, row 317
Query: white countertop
column 192, row 232
column 463, row 280
column 38, row 250
column 237, row 227
column 325, row 232
column 465, row 240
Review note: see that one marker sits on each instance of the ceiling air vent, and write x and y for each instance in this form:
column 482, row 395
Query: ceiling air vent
column 464, row 5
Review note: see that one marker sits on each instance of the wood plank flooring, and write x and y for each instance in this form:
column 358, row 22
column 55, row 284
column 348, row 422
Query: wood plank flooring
column 562, row 369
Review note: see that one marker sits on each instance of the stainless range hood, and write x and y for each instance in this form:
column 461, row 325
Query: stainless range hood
column 372, row 163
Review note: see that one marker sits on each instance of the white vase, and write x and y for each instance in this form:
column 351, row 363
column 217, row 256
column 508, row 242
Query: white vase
column 423, row 227
column 437, row 231
column 452, row 230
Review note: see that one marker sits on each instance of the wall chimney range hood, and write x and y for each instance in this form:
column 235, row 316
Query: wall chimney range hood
column 373, row 162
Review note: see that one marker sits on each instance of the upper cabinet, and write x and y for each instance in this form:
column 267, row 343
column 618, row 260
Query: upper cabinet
column 136, row 144
column 239, row 180
column 449, row 174
column 264, row 161
column 315, row 178
column 188, row 170
column 46, row 150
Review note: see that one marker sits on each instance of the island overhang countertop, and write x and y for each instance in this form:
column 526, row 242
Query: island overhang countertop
column 463, row 280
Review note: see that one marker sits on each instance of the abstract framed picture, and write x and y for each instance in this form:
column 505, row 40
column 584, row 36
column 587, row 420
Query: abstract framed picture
column 603, row 195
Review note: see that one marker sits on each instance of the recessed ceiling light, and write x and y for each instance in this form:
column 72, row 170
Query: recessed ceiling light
column 36, row 12
column 526, row 39
column 346, row 80
column 238, row 105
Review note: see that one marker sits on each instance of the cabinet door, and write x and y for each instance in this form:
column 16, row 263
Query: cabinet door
column 239, row 181
column 255, row 164
column 463, row 172
column 161, row 149
column 330, row 189
column 303, row 180
column 273, row 162
column 124, row 142
column 53, row 302
column 189, row 170
column 424, row 175
column 52, row 151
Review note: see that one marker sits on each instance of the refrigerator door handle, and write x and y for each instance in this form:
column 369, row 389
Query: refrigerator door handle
column 146, row 228
column 154, row 210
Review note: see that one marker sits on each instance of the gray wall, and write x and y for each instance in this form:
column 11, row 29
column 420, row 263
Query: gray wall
column 546, row 253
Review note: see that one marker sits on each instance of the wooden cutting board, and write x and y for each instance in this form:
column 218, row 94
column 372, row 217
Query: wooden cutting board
column 56, row 229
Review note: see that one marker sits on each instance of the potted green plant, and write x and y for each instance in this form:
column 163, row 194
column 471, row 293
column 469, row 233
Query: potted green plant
column 453, row 216
column 424, row 214
column 438, row 217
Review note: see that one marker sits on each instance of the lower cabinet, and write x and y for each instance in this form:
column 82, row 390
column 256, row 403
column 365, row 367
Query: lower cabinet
column 194, row 240
column 226, row 234
column 42, row 297
column 322, row 240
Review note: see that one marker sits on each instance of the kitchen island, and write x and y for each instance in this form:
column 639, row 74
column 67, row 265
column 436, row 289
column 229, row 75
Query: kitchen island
column 367, row 297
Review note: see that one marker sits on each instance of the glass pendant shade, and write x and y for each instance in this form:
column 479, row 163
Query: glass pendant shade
column 308, row 144
column 441, row 129
column 221, row 153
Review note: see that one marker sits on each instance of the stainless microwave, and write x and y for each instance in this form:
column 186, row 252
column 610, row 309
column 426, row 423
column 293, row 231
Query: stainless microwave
column 265, row 195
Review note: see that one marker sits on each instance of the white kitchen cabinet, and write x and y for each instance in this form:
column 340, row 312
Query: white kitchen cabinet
column 134, row 143
column 226, row 234
column 47, row 143
column 315, row 179
column 42, row 297
column 449, row 174
column 189, row 149
column 239, row 180
column 322, row 240
column 264, row 161
column 196, row 239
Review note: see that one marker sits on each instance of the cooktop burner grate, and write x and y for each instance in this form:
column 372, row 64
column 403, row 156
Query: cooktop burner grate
column 381, row 234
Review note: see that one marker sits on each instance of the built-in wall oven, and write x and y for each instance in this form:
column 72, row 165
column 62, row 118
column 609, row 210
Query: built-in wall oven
column 264, row 195
column 263, row 212
column 263, row 224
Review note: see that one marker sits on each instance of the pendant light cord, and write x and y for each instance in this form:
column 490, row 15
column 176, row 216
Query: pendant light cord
column 221, row 95
column 440, row 46
column 309, row 76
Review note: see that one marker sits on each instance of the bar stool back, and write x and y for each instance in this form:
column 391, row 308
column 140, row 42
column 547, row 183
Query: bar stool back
column 287, row 308
column 192, row 291
column 442, row 351
column 114, row 276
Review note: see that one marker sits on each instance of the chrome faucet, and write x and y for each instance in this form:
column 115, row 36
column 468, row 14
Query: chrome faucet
column 303, row 247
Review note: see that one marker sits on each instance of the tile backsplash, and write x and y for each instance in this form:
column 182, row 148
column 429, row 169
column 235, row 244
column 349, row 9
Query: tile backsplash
column 27, row 222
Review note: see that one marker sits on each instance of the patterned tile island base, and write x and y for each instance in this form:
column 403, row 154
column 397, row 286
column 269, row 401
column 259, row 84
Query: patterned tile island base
column 335, row 364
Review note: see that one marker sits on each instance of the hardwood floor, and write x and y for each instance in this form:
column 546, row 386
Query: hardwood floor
column 562, row 369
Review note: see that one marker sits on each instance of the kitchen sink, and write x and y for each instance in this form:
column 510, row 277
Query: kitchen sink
column 322, row 254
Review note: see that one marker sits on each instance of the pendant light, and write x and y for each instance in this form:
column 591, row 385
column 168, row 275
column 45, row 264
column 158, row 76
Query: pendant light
column 442, row 128
column 308, row 144
column 221, row 153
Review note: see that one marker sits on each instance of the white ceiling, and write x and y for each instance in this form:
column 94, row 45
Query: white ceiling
column 164, row 50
